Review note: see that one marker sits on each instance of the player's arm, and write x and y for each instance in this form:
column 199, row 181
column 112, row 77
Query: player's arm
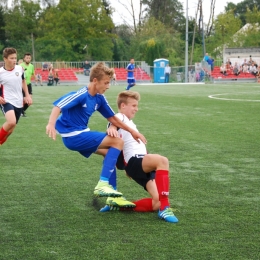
column 27, row 98
column 114, row 120
column 50, row 128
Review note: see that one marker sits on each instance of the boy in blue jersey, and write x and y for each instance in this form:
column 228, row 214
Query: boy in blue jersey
column 70, row 117
column 130, row 74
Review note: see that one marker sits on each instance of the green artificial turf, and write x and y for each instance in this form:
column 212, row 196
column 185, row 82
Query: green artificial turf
column 47, row 208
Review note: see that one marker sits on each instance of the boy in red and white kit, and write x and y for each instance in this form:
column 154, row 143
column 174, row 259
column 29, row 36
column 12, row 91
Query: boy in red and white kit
column 151, row 171
column 12, row 82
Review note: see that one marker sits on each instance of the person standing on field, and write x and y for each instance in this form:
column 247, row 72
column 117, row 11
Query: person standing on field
column 29, row 73
column 12, row 83
column 167, row 72
column 130, row 74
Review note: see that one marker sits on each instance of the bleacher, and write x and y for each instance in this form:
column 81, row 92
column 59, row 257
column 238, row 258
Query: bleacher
column 69, row 75
column 216, row 76
column 121, row 74
column 65, row 75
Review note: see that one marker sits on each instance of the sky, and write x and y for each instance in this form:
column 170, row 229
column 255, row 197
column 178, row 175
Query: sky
column 121, row 13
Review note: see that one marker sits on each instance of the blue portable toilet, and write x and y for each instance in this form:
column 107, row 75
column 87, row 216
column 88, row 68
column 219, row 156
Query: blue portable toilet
column 159, row 65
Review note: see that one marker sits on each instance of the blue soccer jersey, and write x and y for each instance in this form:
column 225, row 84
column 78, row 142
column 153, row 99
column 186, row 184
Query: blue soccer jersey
column 130, row 74
column 77, row 108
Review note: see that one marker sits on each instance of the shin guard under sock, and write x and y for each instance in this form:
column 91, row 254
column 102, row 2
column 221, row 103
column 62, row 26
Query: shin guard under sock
column 162, row 182
column 112, row 179
column 3, row 135
column 109, row 163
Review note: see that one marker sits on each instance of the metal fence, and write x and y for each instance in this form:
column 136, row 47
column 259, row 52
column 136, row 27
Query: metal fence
column 177, row 73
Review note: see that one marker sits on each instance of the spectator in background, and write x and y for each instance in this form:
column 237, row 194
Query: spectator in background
column 38, row 79
column 86, row 68
column 223, row 69
column 244, row 63
column 50, row 67
column 206, row 57
column 50, row 78
column 253, row 69
column 229, row 62
column 250, row 62
column 197, row 71
column 211, row 63
column 236, row 69
column 45, row 66
column 245, row 68
column 56, row 77
column 167, row 72
column 228, row 67
column 113, row 80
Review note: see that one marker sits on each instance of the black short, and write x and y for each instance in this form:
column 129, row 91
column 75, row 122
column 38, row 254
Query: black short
column 7, row 107
column 29, row 86
column 135, row 171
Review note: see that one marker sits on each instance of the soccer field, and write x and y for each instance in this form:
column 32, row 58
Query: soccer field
column 210, row 133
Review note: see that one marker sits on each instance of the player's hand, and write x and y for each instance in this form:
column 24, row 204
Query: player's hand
column 2, row 101
column 28, row 100
column 112, row 131
column 138, row 136
column 51, row 131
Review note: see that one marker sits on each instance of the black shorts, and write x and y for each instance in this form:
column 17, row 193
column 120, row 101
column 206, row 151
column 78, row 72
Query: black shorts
column 135, row 170
column 7, row 107
column 29, row 86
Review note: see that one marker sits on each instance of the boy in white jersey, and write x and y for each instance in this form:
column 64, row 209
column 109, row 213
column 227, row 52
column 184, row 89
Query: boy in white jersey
column 70, row 117
column 12, row 82
column 151, row 171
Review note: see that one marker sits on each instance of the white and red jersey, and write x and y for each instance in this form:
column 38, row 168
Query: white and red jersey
column 131, row 146
column 11, row 85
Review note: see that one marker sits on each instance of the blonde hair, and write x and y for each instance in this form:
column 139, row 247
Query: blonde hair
column 99, row 70
column 124, row 95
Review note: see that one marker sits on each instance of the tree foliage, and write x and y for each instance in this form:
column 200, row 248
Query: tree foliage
column 77, row 23
column 75, row 30
column 155, row 40
column 168, row 12
column 223, row 33
column 241, row 8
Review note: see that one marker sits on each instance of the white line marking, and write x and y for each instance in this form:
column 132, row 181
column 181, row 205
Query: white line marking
column 233, row 99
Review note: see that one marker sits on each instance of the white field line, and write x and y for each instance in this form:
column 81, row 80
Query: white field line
column 216, row 96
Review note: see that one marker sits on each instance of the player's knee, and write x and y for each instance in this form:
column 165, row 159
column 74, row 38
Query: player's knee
column 164, row 162
column 11, row 124
column 119, row 143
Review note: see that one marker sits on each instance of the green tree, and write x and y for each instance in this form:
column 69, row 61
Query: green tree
column 122, row 42
column 240, row 9
column 71, row 25
column 248, row 36
column 21, row 23
column 155, row 40
column 223, row 33
column 2, row 28
column 169, row 12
